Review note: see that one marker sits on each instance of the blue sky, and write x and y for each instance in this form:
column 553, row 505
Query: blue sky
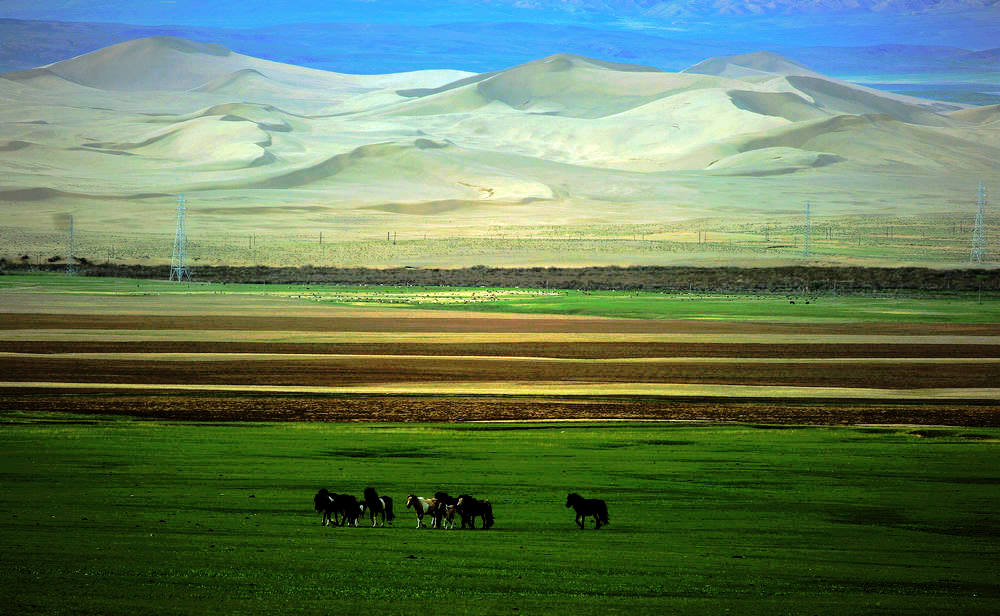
column 655, row 14
column 971, row 24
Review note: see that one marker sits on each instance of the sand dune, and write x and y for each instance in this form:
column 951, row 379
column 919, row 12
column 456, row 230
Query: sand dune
column 787, row 105
column 45, row 79
column 169, row 63
column 850, row 99
column 772, row 161
column 563, row 138
column 563, row 85
column 752, row 65
column 775, row 72
column 420, row 170
column 978, row 115
column 205, row 143
column 864, row 139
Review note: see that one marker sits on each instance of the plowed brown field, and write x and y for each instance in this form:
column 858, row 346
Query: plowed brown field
column 132, row 361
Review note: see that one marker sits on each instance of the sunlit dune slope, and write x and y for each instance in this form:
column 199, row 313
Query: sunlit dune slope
column 560, row 137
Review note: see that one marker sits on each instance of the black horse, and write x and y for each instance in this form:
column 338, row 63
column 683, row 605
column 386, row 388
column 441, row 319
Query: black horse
column 337, row 509
column 324, row 503
column 348, row 507
column 585, row 507
column 377, row 506
column 471, row 508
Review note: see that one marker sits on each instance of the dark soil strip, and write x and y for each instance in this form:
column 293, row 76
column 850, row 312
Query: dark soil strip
column 336, row 371
column 801, row 280
column 569, row 350
column 229, row 408
column 464, row 323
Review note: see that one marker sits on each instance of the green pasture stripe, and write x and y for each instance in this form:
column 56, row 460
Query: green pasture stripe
column 960, row 308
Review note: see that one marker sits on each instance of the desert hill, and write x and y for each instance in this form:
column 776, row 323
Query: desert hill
column 756, row 64
column 559, row 139
column 170, row 63
column 978, row 115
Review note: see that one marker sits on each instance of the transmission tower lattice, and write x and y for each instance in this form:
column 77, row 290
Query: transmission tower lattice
column 70, row 268
column 178, row 271
column 805, row 251
column 978, row 243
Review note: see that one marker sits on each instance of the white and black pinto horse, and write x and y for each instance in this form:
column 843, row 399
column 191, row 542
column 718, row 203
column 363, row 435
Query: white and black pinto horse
column 588, row 507
column 337, row 509
column 379, row 507
column 424, row 507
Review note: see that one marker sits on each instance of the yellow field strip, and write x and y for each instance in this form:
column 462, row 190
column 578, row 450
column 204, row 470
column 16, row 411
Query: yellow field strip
column 146, row 335
column 547, row 388
column 180, row 357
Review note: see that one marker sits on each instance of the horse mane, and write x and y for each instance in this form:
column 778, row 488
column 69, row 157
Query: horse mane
column 444, row 497
column 322, row 499
column 370, row 495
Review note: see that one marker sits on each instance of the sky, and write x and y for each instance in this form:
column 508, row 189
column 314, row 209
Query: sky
column 971, row 24
column 640, row 14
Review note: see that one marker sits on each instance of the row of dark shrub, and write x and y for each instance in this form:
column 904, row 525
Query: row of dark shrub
column 793, row 279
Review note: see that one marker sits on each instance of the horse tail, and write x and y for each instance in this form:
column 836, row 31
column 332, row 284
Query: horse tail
column 487, row 514
column 604, row 512
column 387, row 503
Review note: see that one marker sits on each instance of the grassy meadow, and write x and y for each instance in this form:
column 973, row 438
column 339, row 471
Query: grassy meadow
column 955, row 308
column 102, row 516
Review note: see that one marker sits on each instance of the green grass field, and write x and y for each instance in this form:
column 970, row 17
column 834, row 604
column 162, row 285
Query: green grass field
column 102, row 516
column 959, row 308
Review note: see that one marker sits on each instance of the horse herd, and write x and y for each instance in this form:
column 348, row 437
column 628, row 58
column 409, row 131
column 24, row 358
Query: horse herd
column 346, row 510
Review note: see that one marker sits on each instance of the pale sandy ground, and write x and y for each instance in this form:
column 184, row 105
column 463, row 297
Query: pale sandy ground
column 525, row 388
column 113, row 136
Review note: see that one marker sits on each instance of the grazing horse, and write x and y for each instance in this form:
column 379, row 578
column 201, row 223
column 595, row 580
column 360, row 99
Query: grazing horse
column 378, row 507
column 447, row 509
column 470, row 508
column 337, row 509
column 324, row 502
column 585, row 507
column 447, row 515
column 349, row 508
column 423, row 506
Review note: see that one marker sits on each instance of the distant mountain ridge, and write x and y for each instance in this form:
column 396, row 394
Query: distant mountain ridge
column 675, row 8
column 478, row 47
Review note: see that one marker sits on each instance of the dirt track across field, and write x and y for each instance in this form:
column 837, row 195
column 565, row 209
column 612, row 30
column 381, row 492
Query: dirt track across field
column 428, row 366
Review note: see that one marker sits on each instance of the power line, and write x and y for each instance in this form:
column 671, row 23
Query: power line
column 178, row 271
column 805, row 251
column 70, row 268
column 978, row 254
